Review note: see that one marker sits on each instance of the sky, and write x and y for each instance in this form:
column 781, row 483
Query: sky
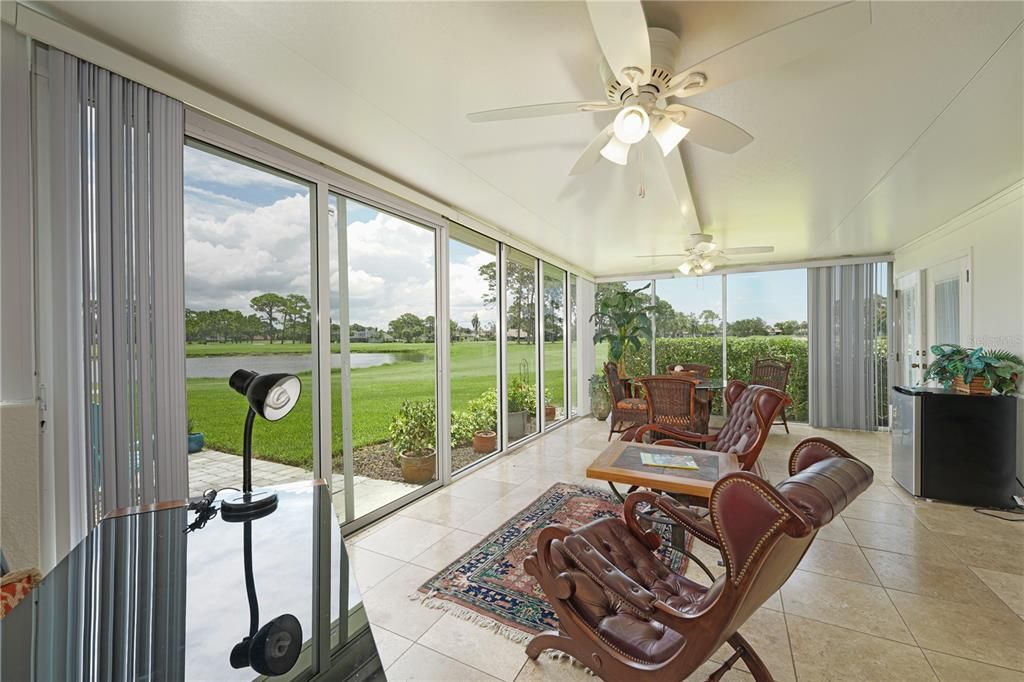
column 773, row 296
column 247, row 232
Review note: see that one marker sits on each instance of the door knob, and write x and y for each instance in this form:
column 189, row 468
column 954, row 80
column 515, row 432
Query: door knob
column 915, row 365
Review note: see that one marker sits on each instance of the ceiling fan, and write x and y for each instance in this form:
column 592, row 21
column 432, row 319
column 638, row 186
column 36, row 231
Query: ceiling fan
column 643, row 84
column 701, row 248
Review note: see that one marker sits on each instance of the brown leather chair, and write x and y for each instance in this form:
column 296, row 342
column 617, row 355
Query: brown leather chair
column 700, row 371
column 624, row 614
column 671, row 400
column 752, row 410
column 627, row 412
column 774, row 373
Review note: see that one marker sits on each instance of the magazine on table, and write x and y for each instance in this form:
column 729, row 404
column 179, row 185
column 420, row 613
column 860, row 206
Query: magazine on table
column 664, row 459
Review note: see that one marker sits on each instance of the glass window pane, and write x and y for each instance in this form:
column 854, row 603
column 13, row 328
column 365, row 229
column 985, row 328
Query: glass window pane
column 688, row 326
column 391, row 298
column 573, row 350
column 247, row 300
column 767, row 317
column 521, row 344
column 554, row 344
column 473, row 363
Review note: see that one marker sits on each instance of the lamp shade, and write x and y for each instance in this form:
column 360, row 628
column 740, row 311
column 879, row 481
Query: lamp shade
column 669, row 134
column 271, row 396
column 616, row 151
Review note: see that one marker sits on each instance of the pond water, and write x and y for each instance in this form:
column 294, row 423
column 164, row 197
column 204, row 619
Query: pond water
column 224, row 365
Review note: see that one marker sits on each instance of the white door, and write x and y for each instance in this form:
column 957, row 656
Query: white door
column 910, row 349
column 948, row 303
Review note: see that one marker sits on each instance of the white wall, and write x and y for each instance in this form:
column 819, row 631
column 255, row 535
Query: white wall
column 991, row 235
column 19, row 417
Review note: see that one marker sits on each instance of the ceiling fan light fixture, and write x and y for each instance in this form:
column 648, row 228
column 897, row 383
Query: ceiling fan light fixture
column 669, row 134
column 686, row 267
column 631, row 124
column 616, row 151
column 706, row 266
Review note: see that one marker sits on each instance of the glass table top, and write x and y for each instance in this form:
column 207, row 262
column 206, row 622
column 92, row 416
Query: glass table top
column 139, row 598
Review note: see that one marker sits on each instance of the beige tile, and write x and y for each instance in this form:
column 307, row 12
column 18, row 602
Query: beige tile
column 836, row 531
column 390, row 604
column 1008, row 586
column 860, row 607
column 911, row 539
column 960, row 520
column 483, row 489
column 444, row 509
column 447, row 549
column 987, row 635
column 839, row 561
column 946, row 579
column 826, row 652
column 954, row 669
column 370, row 567
column 421, row 663
column 475, row 646
column 389, row 645
column 879, row 492
column 879, row 512
column 404, row 538
column 983, row 552
column 765, row 630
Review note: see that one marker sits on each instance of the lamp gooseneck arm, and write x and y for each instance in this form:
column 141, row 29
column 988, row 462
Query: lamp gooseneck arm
column 250, row 417
column 250, row 580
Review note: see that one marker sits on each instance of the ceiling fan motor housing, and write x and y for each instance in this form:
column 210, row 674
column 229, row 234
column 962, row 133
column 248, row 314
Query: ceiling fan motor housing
column 664, row 48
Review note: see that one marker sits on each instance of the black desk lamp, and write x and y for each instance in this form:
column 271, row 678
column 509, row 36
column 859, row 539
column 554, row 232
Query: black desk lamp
column 271, row 396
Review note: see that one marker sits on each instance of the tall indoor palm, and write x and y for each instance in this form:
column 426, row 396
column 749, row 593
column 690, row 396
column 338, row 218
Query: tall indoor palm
column 623, row 319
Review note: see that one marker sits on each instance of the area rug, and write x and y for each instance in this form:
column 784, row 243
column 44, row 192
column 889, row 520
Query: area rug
column 488, row 584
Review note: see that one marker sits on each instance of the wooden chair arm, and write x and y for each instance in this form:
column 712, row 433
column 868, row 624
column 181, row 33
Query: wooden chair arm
column 701, row 528
column 592, row 562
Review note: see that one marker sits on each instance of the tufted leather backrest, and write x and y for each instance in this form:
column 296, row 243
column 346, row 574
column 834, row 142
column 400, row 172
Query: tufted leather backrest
column 611, row 371
column 750, row 418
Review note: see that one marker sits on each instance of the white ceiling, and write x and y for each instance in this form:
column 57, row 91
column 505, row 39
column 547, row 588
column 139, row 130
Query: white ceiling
column 858, row 148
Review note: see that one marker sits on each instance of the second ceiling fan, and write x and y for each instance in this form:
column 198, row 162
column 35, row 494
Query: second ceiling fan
column 643, row 84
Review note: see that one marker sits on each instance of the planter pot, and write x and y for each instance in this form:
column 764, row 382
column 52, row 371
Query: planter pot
column 600, row 404
column 976, row 387
column 517, row 425
column 418, row 469
column 196, row 441
column 485, row 442
column 550, row 412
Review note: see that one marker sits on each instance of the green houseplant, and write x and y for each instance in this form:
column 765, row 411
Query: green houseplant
column 623, row 319
column 412, row 436
column 975, row 370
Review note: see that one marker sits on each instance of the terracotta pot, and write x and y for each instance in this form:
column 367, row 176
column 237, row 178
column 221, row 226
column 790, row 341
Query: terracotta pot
column 485, row 442
column 550, row 412
column 418, row 469
column 976, row 387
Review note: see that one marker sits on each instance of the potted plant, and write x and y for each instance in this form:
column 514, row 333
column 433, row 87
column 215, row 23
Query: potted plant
column 623, row 319
column 412, row 436
column 975, row 370
column 196, row 440
column 522, row 406
column 483, row 418
column 600, row 401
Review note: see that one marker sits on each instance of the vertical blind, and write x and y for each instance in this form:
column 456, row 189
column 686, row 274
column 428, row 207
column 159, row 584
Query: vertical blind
column 113, row 238
column 847, row 359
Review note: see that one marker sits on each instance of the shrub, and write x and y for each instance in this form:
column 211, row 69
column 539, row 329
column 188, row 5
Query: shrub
column 522, row 395
column 462, row 427
column 413, row 429
column 483, row 412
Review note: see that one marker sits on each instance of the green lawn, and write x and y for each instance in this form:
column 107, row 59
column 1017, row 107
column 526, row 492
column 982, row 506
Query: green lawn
column 205, row 350
column 377, row 393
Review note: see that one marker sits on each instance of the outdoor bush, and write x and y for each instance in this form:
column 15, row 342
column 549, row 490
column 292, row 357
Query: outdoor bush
column 413, row 430
column 742, row 351
column 522, row 395
column 483, row 412
column 462, row 427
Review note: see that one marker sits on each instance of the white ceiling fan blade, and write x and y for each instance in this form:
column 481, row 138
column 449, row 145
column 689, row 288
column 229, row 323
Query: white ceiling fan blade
column 592, row 153
column 712, row 131
column 621, row 29
column 537, row 110
column 748, row 250
column 681, row 188
column 775, row 47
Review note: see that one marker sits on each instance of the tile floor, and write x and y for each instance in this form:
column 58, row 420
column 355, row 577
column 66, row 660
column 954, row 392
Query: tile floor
column 897, row 589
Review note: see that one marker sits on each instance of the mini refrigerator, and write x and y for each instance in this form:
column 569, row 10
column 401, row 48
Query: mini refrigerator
column 955, row 447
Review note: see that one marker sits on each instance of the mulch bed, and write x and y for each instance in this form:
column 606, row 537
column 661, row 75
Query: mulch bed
column 378, row 461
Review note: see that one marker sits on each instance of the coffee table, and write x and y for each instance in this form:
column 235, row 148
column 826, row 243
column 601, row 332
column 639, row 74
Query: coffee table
column 620, row 463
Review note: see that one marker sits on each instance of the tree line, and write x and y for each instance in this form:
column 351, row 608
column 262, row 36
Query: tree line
column 276, row 317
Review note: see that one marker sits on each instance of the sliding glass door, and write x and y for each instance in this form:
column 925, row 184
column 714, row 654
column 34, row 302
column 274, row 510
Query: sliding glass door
column 554, row 344
column 520, row 344
column 391, row 300
column 574, row 350
column 473, row 358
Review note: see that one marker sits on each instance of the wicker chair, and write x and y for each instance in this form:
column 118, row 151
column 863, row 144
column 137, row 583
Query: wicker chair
column 627, row 616
column 627, row 412
column 752, row 410
column 671, row 400
column 774, row 374
column 700, row 371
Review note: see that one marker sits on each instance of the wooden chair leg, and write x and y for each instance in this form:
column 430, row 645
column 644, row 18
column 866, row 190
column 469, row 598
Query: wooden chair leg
column 547, row 640
column 754, row 663
column 784, row 422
